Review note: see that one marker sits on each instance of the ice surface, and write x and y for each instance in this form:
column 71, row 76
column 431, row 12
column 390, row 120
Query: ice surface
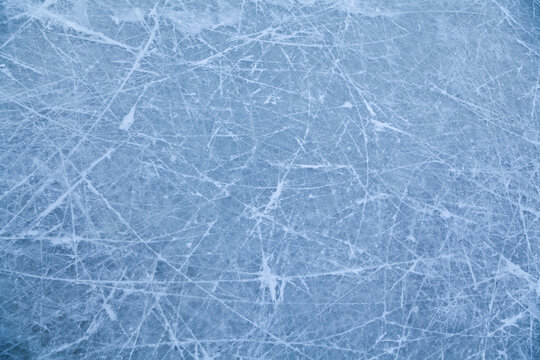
column 269, row 179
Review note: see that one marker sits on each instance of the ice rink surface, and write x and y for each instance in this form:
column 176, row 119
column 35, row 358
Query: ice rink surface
column 269, row 179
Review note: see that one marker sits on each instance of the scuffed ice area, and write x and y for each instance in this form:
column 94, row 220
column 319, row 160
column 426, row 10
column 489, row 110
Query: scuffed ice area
column 269, row 179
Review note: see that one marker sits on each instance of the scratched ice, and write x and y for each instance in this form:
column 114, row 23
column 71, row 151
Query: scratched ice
column 269, row 179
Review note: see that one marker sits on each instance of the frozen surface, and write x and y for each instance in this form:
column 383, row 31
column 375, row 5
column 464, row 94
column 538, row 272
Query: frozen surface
column 269, row 179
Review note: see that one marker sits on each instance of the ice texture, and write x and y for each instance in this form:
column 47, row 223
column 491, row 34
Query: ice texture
column 269, row 179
